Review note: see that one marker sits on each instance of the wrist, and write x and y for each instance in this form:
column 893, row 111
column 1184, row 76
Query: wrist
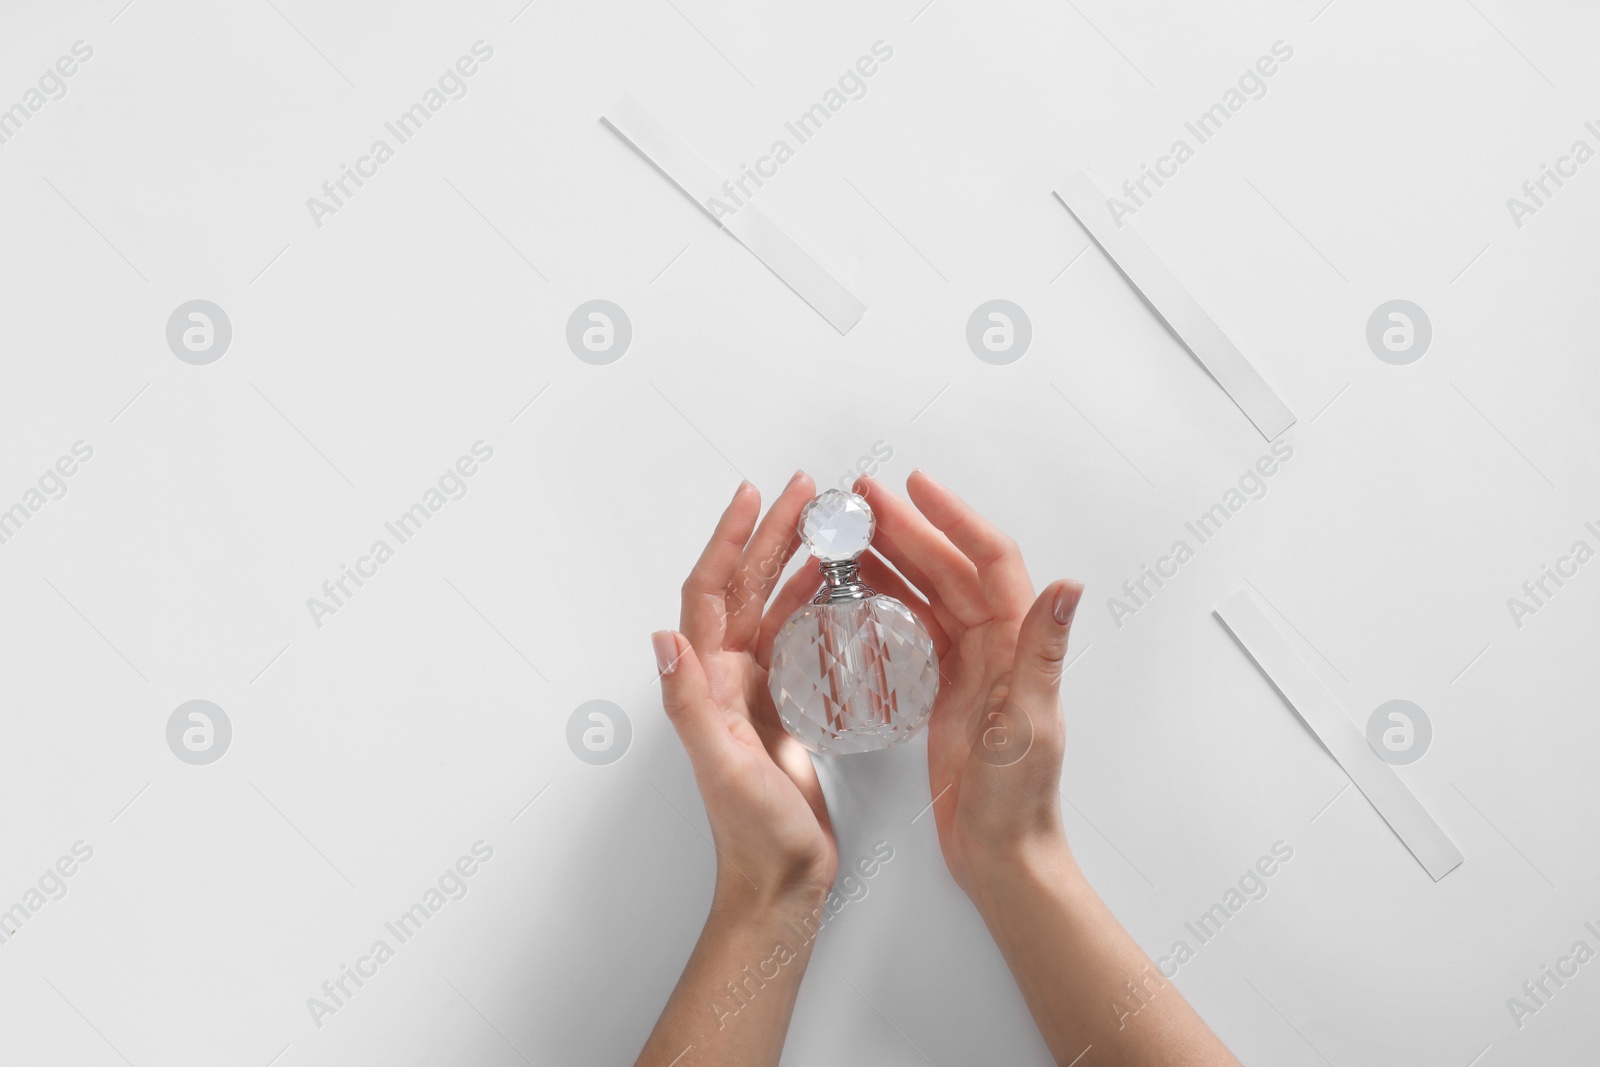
column 736, row 899
column 768, row 926
column 1009, row 870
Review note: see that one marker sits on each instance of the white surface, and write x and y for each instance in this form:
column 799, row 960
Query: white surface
column 799, row 270
column 1171, row 298
column 1243, row 614
column 426, row 713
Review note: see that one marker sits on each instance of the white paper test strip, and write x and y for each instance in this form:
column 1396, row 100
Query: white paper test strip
column 1319, row 710
column 754, row 230
column 1198, row 331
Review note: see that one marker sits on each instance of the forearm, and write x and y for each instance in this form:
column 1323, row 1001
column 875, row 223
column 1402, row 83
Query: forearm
column 732, row 1004
column 1087, row 983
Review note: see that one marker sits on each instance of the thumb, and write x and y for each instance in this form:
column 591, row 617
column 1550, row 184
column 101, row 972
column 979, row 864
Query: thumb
column 1042, row 643
column 686, row 695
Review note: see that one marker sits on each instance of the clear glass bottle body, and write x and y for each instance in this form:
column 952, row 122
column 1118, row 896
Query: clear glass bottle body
column 853, row 675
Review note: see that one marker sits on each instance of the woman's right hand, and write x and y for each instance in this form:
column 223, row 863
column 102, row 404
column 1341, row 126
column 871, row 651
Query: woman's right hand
column 996, row 739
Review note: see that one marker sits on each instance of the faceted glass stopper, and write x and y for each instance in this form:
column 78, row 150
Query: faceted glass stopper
column 837, row 526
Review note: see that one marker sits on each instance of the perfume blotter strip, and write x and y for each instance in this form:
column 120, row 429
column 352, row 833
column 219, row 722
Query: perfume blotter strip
column 1198, row 331
column 782, row 255
column 1319, row 710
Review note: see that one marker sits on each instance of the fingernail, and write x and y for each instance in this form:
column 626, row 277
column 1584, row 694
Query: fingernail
column 1066, row 603
column 795, row 477
column 665, row 642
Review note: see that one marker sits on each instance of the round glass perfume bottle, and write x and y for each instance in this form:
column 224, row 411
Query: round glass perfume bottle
column 854, row 670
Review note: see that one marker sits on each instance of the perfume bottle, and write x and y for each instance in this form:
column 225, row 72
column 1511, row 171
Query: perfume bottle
column 854, row 670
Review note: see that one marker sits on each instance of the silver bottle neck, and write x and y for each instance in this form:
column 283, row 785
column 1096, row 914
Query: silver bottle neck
column 841, row 581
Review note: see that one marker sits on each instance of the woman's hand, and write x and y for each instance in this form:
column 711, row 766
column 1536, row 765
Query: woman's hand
column 995, row 744
column 769, row 821
column 776, row 856
column 995, row 740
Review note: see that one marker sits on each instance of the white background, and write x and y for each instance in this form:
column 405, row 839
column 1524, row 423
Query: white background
column 368, row 354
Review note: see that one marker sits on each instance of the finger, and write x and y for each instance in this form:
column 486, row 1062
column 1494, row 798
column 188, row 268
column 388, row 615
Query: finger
column 796, row 592
column 775, row 540
column 705, row 605
column 885, row 548
column 686, row 696
column 1042, row 645
column 1001, row 572
column 926, row 556
column 877, row 574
